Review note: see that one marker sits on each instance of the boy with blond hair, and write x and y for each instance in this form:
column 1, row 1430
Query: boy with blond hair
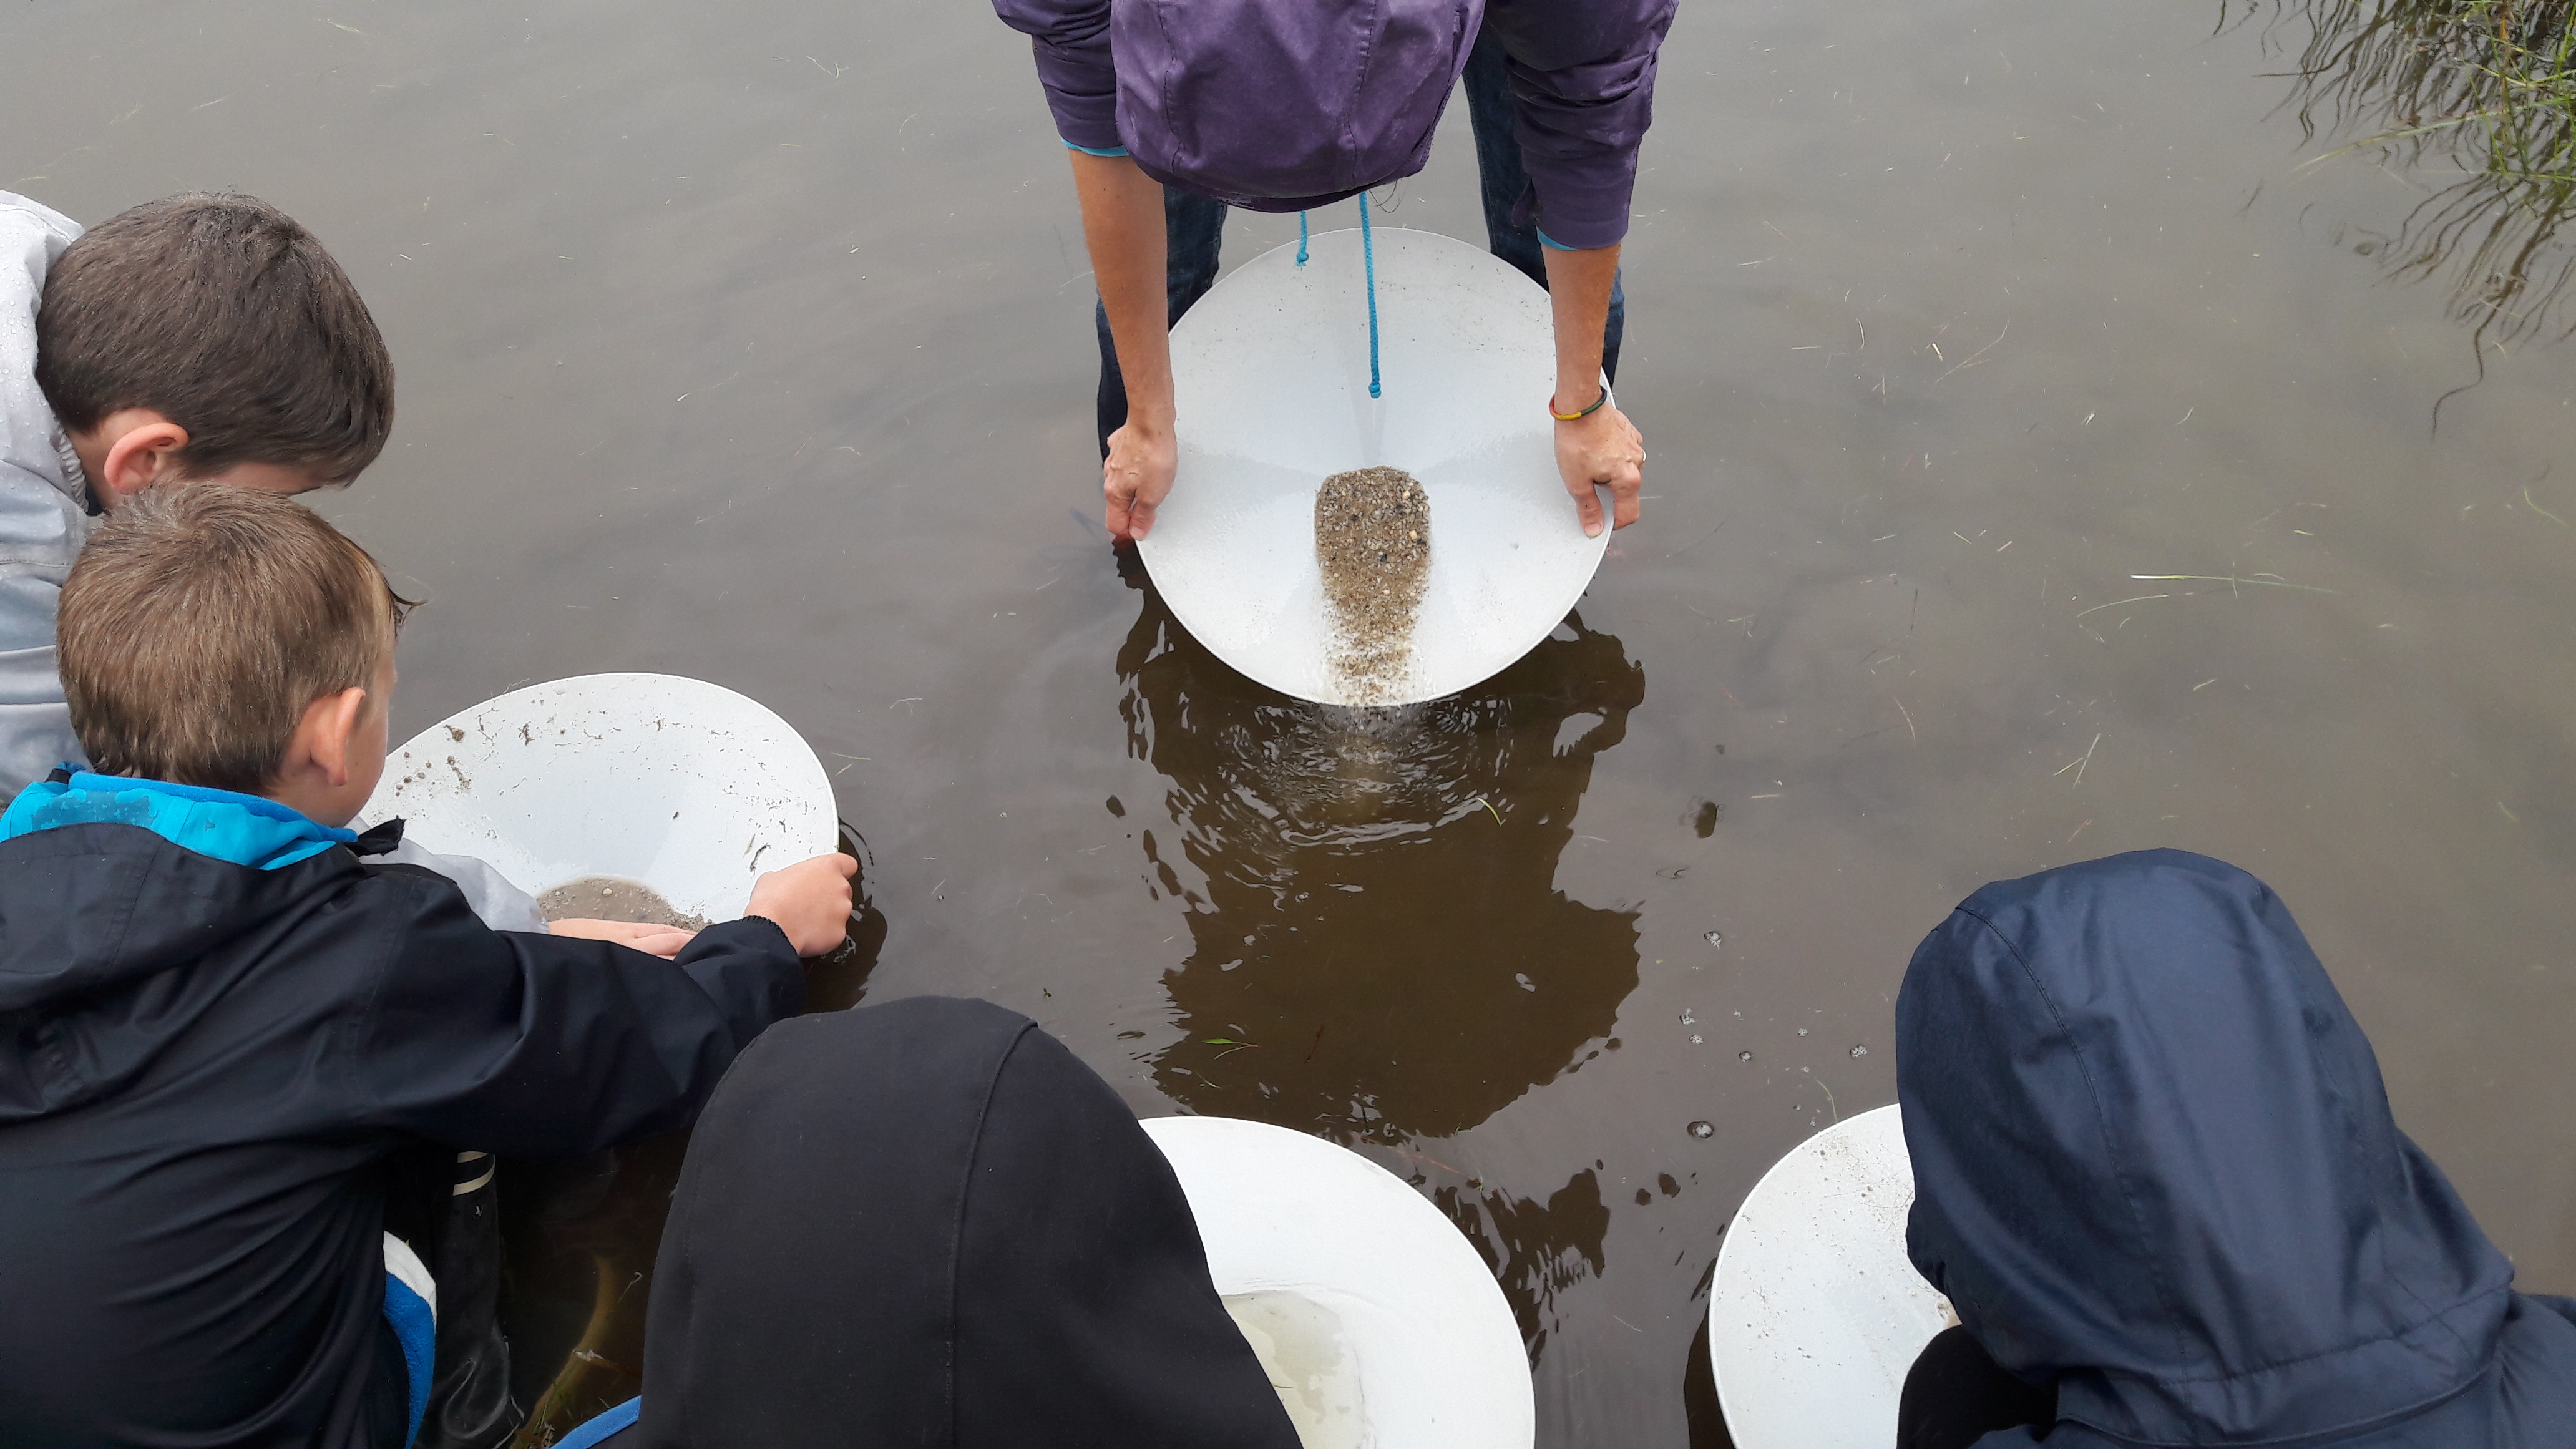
column 219, row 1026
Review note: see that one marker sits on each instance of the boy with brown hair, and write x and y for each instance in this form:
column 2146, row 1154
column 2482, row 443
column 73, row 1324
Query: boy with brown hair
column 219, row 1027
column 204, row 337
column 207, row 337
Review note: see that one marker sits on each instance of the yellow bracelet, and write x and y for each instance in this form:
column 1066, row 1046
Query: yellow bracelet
column 1587, row 412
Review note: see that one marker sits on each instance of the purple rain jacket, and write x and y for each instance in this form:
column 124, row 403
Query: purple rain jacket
column 1284, row 105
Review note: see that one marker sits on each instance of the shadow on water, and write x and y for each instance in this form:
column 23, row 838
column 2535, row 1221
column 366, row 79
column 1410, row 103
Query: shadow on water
column 1706, row 1416
column 2486, row 86
column 1379, row 950
column 579, row 1236
column 1536, row 1249
column 1319, row 993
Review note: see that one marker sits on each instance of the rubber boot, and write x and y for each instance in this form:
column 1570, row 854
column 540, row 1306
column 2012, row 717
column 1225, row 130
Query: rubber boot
column 470, row 1406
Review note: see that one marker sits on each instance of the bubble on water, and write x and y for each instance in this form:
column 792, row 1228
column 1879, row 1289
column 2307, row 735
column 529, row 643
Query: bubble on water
column 1802, row 1031
column 1860, row 1051
column 1716, row 939
column 1687, row 1018
column 1703, row 1130
column 1695, row 1038
column 1744, row 1056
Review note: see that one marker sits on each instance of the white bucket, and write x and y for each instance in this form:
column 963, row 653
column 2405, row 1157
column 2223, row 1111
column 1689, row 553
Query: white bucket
column 1816, row 1312
column 1379, row 1323
column 1270, row 372
column 683, row 785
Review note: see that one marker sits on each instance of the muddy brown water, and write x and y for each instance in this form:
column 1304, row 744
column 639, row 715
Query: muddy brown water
column 755, row 345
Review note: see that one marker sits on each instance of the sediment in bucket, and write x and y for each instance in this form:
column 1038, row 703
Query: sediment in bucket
column 1306, row 1349
column 1373, row 544
column 608, row 898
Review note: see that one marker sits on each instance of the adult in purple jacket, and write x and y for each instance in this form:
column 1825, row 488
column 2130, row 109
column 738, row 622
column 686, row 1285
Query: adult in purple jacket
column 1173, row 111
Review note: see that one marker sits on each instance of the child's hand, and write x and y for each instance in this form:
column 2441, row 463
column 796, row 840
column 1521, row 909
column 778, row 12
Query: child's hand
column 809, row 900
column 664, row 941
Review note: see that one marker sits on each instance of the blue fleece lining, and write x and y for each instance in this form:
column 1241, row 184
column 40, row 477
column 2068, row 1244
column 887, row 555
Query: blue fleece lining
column 1552, row 244
column 242, row 829
column 606, row 1425
column 1095, row 150
column 415, row 1325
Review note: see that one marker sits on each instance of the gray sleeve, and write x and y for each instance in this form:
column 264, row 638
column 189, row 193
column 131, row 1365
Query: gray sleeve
column 35, row 725
column 42, row 521
column 501, row 905
column 39, row 536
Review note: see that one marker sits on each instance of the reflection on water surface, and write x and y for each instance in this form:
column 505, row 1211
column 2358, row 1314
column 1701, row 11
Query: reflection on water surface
column 1380, row 950
column 580, row 1236
column 2475, row 102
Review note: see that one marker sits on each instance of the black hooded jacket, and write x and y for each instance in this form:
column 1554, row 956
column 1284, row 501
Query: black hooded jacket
column 2153, row 1160
column 925, row 1224
column 205, row 1071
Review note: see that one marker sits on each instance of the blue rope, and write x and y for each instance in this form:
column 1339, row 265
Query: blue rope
column 1368, row 254
column 1301, row 238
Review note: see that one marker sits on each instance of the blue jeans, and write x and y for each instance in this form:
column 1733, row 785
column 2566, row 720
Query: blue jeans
column 1193, row 227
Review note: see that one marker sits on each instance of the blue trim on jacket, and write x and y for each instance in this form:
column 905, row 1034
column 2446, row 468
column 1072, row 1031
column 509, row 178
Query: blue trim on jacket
column 606, row 1425
column 415, row 1326
column 243, row 829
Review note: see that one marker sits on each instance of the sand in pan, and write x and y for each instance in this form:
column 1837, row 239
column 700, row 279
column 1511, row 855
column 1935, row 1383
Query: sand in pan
column 608, row 898
column 1373, row 542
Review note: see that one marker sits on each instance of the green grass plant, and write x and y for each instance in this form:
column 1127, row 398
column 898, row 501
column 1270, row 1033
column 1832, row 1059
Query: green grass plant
column 2474, row 100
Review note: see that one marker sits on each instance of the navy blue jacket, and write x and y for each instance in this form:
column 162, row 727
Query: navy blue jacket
column 205, row 1070
column 2153, row 1159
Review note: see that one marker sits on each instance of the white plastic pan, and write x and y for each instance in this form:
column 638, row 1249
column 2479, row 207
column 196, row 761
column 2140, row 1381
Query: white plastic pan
column 1378, row 1321
column 1270, row 375
column 1816, row 1313
column 683, row 785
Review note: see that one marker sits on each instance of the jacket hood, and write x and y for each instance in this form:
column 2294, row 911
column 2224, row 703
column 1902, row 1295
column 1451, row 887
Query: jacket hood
column 243, row 829
column 925, row 1223
column 105, row 880
column 2153, row 1158
column 1285, row 107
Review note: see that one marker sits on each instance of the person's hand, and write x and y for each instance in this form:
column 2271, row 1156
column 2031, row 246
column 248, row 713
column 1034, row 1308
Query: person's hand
column 1603, row 450
column 1142, row 456
column 809, row 900
column 663, row 941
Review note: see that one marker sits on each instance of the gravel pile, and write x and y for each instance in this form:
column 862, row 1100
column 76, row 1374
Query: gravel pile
column 1373, row 540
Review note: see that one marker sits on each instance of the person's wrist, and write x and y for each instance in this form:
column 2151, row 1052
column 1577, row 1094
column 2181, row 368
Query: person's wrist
column 1575, row 404
column 767, row 918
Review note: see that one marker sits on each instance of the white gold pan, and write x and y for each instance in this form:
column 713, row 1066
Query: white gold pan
column 1270, row 373
column 683, row 785
column 1380, row 1324
column 1816, row 1312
